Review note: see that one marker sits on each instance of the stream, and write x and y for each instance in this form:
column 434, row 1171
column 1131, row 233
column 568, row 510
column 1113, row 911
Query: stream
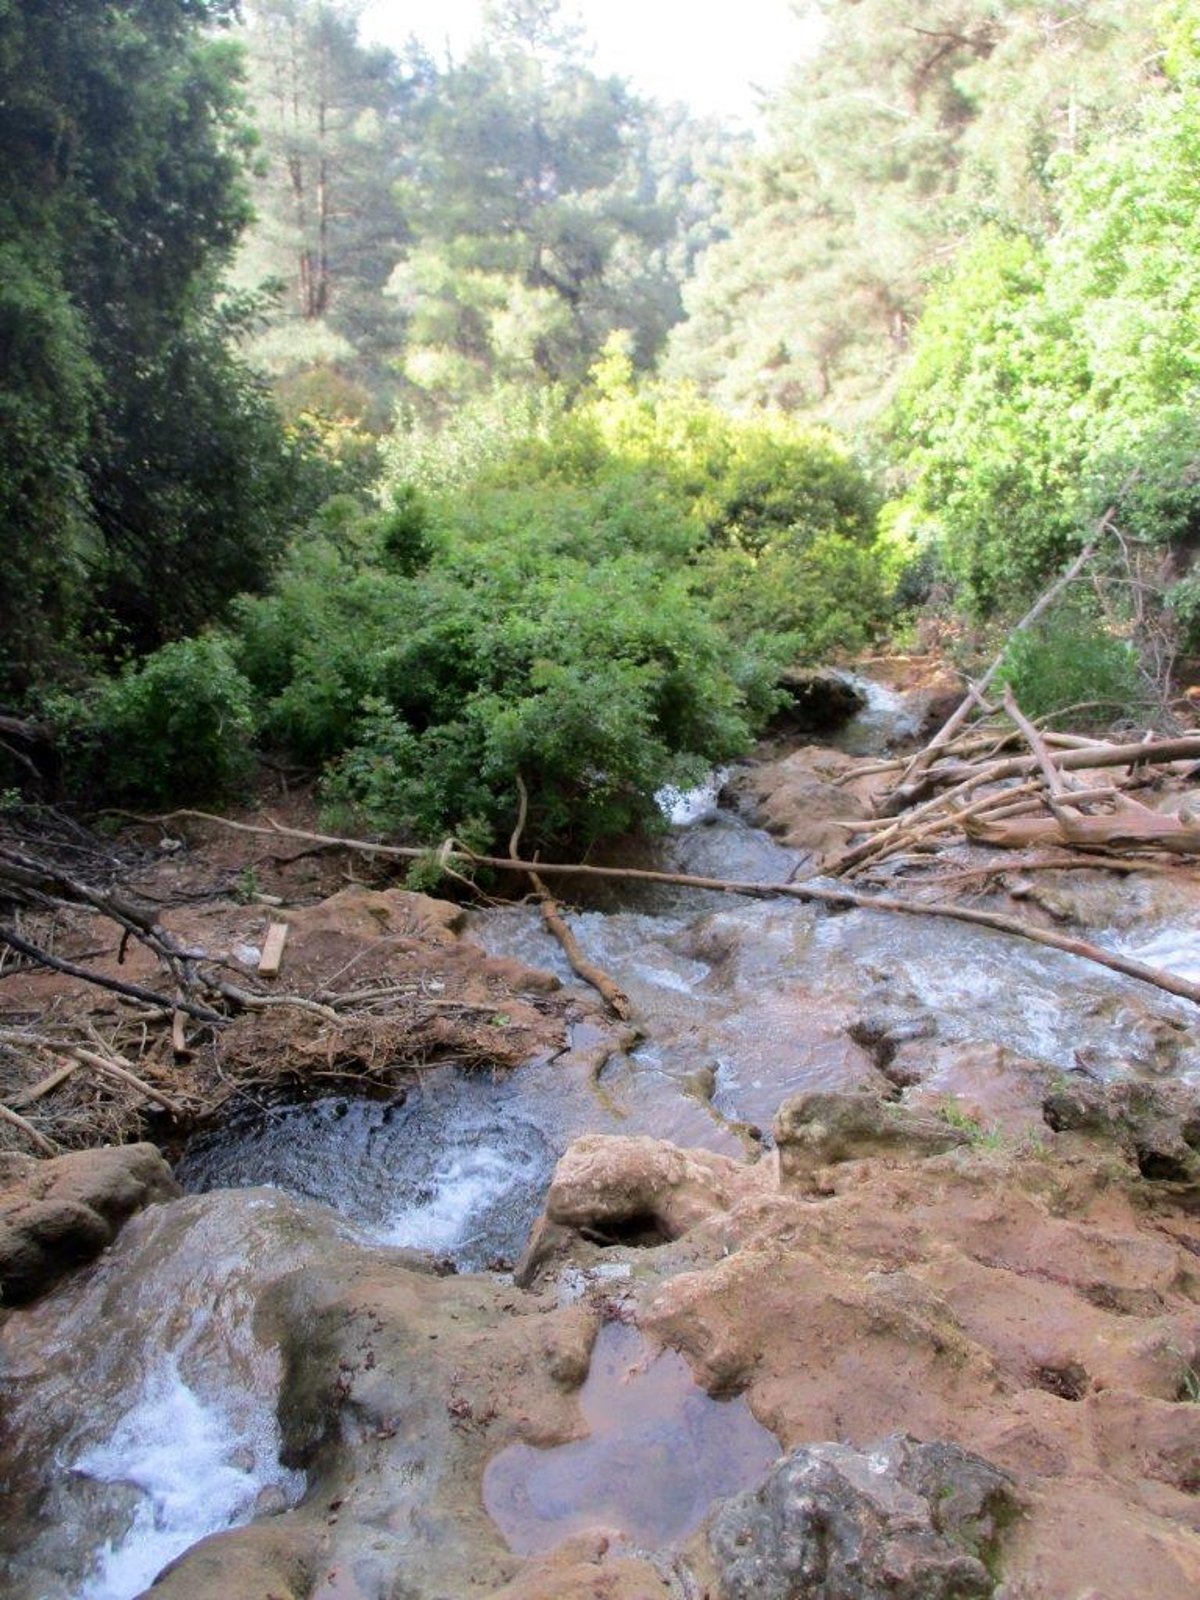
column 742, row 1002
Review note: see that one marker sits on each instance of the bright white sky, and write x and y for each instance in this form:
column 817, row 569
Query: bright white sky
column 713, row 54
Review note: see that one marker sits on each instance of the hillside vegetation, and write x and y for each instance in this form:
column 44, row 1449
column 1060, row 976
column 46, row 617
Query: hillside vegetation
column 443, row 426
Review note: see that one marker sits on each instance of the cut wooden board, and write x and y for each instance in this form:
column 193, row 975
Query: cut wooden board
column 271, row 959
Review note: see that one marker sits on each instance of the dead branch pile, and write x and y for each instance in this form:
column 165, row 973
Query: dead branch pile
column 91, row 1056
column 1014, row 787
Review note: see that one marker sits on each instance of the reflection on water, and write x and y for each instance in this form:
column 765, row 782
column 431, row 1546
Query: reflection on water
column 452, row 1166
column 658, row 1454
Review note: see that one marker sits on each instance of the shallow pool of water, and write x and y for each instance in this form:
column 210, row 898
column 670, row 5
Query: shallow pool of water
column 659, row 1452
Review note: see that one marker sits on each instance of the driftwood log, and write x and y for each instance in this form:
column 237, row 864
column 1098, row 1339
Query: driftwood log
column 604, row 984
column 911, row 778
column 813, row 893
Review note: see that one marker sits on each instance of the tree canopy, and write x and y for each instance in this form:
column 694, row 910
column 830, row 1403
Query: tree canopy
column 143, row 478
column 1050, row 372
column 887, row 150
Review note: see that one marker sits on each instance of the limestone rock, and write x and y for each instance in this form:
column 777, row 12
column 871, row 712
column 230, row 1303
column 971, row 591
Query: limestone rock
column 800, row 800
column 1157, row 1125
column 639, row 1189
column 921, row 1521
column 819, row 1130
column 57, row 1214
column 274, row 1559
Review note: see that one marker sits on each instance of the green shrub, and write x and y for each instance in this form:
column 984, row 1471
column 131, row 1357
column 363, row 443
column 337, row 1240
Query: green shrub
column 1070, row 659
column 176, row 726
column 1183, row 601
column 827, row 596
column 597, row 602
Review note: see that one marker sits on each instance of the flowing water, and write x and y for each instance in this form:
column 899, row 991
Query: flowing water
column 742, row 1002
column 139, row 1402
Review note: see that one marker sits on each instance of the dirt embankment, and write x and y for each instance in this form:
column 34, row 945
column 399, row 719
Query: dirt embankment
column 374, row 982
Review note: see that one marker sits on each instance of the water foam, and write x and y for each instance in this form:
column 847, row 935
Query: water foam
column 197, row 1468
column 461, row 1187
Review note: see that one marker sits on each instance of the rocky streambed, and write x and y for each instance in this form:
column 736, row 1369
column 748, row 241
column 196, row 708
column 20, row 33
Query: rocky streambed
column 866, row 1264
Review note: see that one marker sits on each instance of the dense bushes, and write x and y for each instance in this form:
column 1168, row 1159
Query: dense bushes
column 144, row 476
column 1069, row 662
column 594, row 601
column 597, row 600
column 178, row 726
column 1055, row 376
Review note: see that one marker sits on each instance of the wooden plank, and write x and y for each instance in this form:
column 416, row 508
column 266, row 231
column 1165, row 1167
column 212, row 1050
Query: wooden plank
column 272, row 956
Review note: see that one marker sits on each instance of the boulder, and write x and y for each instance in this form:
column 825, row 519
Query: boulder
column 817, row 701
column 641, row 1192
column 822, row 1129
column 1157, row 1125
column 58, row 1214
column 896, row 1521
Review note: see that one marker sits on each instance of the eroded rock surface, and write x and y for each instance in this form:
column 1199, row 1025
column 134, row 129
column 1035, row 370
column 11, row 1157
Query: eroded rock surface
column 819, row 1130
column 1034, row 1305
column 57, row 1214
column 803, row 798
column 923, row 1521
column 1156, row 1125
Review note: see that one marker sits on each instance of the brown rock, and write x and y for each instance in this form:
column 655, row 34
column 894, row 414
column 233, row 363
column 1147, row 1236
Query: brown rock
column 639, row 1190
column 60, row 1213
column 274, row 1560
column 820, row 1130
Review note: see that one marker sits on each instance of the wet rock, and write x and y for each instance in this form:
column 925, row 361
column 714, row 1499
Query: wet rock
column 1156, row 1125
column 638, row 1190
column 820, row 1130
column 817, row 702
column 274, row 1560
column 634, row 1193
column 57, row 1214
column 883, row 1032
column 591, row 1567
column 999, row 1090
column 922, row 1521
column 800, row 800
column 939, row 708
column 657, row 1454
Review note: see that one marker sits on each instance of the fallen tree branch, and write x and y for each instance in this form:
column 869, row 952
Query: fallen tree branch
column 38, row 1140
column 122, row 1072
column 616, row 998
column 47, row 1085
column 1158, row 752
column 1130, row 830
column 103, row 1061
column 813, row 893
column 605, row 986
column 946, row 732
column 132, row 991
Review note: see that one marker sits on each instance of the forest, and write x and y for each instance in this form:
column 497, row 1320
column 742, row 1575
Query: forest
column 440, row 427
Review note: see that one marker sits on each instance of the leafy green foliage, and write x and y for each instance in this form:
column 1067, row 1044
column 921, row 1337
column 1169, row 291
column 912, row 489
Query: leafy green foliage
column 177, row 726
column 549, row 208
column 1070, row 661
column 895, row 141
column 590, row 602
column 1052, row 380
column 143, row 478
column 336, row 123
